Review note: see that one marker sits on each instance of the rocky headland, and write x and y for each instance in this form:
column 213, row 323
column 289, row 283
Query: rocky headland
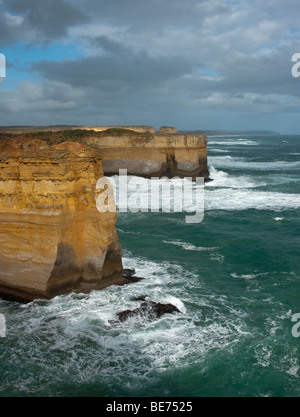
column 166, row 154
column 138, row 149
column 53, row 237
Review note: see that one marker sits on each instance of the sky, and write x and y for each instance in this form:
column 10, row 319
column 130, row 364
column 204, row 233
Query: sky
column 192, row 64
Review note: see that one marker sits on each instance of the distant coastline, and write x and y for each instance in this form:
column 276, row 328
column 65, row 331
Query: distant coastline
column 233, row 132
column 193, row 132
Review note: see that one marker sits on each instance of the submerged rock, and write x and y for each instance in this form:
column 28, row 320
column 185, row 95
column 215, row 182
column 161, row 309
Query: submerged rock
column 139, row 298
column 150, row 310
column 129, row 274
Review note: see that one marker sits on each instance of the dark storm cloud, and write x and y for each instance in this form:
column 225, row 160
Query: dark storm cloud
column 35, row 21
column 119, row 66
column 151, row 13
column 9, row 28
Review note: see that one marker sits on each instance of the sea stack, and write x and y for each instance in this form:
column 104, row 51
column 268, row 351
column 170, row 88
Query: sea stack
column 53, row 238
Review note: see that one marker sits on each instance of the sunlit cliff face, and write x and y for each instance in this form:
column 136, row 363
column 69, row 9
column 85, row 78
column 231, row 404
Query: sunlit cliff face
column 53, row 238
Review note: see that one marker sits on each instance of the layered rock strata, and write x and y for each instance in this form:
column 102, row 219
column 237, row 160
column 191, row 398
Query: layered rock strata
column 53, row 240
column 136, row 148
column 152, row 155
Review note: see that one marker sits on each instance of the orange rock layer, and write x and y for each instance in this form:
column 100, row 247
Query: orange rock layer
column 53, row 240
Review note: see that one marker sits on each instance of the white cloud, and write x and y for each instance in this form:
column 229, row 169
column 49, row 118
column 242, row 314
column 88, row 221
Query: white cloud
column 219, row 54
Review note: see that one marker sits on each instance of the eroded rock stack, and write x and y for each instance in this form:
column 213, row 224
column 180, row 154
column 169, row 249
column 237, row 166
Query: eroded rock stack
column 53, row 240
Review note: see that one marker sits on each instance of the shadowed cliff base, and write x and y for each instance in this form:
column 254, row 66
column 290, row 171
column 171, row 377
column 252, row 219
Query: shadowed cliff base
column 25, row 296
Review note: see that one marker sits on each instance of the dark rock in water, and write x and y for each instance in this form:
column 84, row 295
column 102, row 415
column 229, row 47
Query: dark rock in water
column 139, row 298
column 135, row 279
column 130, row 275
column 149, row 309
column 18, row 298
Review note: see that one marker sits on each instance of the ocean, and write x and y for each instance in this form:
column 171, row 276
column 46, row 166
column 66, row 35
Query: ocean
column 234, row 276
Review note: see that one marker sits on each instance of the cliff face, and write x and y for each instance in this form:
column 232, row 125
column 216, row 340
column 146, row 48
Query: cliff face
column 153, row 155
column 136, row 148
column 53, row 240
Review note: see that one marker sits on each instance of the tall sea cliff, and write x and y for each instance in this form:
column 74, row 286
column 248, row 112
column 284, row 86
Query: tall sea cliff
column 138, row 149
column 53, row 238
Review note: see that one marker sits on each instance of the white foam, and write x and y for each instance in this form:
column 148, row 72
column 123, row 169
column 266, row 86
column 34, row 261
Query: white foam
column 243, row 163
column 244, row 199
column 217, row 257
column 226, row 192
column 175, row 301
column 293, row 365
column 263, row 356
column 219, row 150
column 188, row 246
column 248, row 276
column 223, row 179
column 239, row 142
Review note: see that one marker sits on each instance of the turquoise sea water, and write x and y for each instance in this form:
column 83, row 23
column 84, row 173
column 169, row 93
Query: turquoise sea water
column 235, row 277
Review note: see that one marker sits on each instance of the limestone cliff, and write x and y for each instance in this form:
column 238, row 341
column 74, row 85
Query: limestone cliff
column 137, row 148
column 152, row 155
column 53, row 240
